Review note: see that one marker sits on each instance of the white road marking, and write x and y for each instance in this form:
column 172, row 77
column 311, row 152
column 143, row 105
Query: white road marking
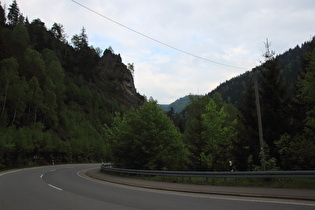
column 57, row 188
column 9, row 172
column 41, row 176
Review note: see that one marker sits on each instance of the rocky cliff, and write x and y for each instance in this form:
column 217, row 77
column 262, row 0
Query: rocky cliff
column 114, row 78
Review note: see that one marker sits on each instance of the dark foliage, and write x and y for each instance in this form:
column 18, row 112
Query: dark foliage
column 55, row 97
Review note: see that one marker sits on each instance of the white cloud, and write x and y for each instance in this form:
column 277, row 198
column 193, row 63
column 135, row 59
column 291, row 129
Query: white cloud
column 230, row 32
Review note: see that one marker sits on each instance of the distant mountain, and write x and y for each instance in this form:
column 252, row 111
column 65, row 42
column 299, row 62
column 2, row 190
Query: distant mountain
column 178, row 105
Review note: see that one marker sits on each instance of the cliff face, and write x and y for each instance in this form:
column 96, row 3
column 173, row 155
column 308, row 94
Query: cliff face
column 113, row 77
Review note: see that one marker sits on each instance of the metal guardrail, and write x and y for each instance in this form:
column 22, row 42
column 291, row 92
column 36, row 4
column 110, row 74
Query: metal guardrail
column 207, row 174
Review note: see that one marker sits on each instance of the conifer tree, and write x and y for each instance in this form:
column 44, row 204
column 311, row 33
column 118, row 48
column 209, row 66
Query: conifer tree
column 14, row 13
column 272, row 93
column 59, row 32
column 2, row 16
column 80, row 41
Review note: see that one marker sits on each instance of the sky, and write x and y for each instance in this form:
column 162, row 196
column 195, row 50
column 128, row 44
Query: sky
column 182, row 47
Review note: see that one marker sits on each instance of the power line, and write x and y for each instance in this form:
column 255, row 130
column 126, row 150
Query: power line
column 155, row 40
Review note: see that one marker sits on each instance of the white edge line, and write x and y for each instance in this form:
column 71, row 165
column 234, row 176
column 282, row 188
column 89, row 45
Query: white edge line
column 57, row 188
column 242, row 199
column 10, row 172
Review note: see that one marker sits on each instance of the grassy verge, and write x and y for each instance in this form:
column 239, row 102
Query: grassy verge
column 305, row 183
column 246, row 182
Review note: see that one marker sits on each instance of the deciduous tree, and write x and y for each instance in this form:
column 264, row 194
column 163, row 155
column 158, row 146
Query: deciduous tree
column 146, row 139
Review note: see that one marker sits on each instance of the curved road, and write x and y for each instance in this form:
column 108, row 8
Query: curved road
column 61, row 187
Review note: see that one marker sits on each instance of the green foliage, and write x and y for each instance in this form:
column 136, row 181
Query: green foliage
column 2, row 16
column 146, row 139
column 209, row 133
column 193, row 137
column 55, row 99
column 269, row 162
column 9, row 77
column 232, row 91
column 31, row 146
column 307, row 88
column 20, row 38
column 51, row 105
column 296, row 152
column 272, row 94
column 59, row 32
column 179, row 105
column 14, row 13
column 282, row 111
column 218, row 135
column 80, row 41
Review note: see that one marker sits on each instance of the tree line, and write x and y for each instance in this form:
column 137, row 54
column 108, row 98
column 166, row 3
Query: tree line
column 210, row 133
column 53, row 108
column 50, row 105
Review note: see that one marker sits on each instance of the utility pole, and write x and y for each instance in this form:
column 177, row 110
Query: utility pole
column 260, row 128
column 268, row 55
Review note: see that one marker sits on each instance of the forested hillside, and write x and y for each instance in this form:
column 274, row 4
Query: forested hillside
column 232, row 91
column 67, row 102
column 179, row 105
column 286, row 92
column 55, row 96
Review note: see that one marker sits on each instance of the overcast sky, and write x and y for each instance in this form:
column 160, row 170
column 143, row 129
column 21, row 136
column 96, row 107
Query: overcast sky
column 231, row 32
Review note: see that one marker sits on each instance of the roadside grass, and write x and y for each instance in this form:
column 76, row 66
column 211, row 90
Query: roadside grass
column 305, row 183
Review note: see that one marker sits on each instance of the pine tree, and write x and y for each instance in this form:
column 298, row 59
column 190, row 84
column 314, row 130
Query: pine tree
column 14, row 13
column 272, row 92
column 247, row 144
column 2, row 17
column 59, row 32
column 80, row 41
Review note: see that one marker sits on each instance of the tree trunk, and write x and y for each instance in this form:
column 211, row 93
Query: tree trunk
column 5, row 99
column 15, row 110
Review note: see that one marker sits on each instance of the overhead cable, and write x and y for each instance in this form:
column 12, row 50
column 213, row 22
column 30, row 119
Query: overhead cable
column 155, row 40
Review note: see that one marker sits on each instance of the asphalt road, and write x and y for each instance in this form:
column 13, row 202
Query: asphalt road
column 61, row 187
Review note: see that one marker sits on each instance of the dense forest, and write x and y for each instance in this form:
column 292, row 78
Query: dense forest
column 55, row 96
column 286, row 92
column 67, row 102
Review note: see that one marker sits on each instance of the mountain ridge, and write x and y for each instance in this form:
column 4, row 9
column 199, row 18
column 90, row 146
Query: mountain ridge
column 178, row 105
column 232, row 90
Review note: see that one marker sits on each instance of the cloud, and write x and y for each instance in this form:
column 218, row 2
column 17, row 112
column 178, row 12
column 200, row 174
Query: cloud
column 230, row 32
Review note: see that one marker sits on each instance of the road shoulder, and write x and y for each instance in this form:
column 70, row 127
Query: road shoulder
column 258, row 192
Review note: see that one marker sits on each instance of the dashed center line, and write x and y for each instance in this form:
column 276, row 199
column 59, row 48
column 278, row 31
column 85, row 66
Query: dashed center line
column 57, row 188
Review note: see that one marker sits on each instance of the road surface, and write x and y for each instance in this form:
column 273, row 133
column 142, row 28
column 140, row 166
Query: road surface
column 62, row 187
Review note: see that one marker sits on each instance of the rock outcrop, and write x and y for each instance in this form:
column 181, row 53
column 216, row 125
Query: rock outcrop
column 113, row 76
